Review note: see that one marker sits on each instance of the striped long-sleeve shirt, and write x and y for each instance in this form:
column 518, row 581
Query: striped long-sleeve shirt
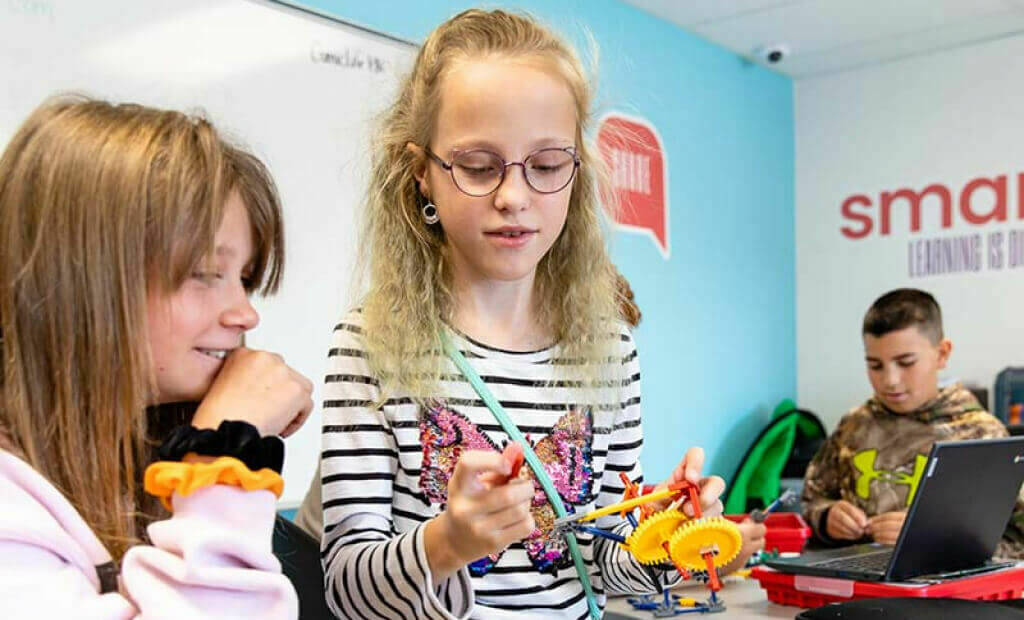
column 384, row 472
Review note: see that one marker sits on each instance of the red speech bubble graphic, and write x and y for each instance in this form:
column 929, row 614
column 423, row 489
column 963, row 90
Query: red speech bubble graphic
column 632, row 150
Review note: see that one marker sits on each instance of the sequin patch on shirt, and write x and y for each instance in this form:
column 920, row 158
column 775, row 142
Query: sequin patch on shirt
column 565, row 454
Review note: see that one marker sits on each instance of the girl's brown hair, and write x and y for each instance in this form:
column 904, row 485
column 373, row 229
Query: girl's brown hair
column 99, row 205
column 410, row 290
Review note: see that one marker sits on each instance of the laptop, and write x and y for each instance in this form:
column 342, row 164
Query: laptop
column 960, row 511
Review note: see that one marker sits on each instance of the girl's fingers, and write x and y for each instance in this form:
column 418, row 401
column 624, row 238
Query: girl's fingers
column 511, row 517
column 299, row 419
column 505, row 496
column 714, row 510
column 690, row 467
column 711, row 488
column 475, row 462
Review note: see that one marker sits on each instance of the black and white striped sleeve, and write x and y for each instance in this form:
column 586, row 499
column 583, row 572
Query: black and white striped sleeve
column 621, row 572
column 370, row 571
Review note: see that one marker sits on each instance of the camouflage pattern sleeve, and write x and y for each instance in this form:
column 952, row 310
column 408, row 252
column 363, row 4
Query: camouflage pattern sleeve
column 822, row 482
column 977, row 425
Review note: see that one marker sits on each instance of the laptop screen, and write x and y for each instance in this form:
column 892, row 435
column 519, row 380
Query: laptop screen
column 961, row 507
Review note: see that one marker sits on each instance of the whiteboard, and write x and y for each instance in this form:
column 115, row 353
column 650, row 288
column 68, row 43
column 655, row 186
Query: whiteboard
column 298, row 89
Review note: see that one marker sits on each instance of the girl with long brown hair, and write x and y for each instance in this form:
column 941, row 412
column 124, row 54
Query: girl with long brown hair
column 484, row 241
column 130, row 241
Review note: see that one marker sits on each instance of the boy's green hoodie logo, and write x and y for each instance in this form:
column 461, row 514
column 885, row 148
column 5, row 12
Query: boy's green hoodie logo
column 864, row 462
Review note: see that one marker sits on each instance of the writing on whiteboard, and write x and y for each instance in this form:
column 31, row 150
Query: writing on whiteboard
column 349, row 58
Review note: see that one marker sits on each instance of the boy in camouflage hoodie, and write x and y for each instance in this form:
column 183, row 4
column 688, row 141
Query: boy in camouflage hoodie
column 861, row 482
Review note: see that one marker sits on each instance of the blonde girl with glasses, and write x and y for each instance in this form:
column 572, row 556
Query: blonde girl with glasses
column 484, row 245
column 130, row 241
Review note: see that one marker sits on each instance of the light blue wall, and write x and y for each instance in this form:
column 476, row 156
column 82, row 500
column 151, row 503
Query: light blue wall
column 717, row 342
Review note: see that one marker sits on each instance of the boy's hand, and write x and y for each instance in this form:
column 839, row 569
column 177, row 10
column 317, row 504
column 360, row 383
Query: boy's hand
column 711, row 487
column 885, row 528
column 259, row 388
column 484, row 514
column 845, row 521
column 753, row 541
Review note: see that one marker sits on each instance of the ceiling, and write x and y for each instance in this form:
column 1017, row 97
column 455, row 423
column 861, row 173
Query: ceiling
column 827, row 36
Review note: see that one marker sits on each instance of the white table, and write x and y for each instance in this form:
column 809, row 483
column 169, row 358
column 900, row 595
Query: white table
column 744, row 598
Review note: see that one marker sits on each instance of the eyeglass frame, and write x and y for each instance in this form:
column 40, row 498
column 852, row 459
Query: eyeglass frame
column 450, row 167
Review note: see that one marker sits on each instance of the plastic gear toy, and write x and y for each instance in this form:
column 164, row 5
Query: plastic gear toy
column 691, row 545
column 691, row 542
column 647, row 542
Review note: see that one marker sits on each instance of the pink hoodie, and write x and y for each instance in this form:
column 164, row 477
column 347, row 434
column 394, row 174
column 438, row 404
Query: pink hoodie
column 212, row 559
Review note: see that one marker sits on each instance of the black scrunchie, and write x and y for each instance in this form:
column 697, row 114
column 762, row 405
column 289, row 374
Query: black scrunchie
column 232, row 438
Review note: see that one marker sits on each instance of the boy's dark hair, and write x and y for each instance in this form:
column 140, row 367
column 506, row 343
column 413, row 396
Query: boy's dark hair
column 902, row 308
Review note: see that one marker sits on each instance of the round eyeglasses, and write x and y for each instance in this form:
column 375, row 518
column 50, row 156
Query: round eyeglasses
column 479, row 172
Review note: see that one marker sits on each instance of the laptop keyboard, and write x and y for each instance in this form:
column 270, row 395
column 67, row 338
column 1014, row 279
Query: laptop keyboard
column 867, row 563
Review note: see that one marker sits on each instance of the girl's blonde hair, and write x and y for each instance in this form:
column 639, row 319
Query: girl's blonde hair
column 101, row 204
column 410, row 292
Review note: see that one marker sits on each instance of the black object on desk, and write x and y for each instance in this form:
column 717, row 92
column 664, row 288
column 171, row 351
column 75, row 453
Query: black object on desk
column 299, row 554
column 911, row 608
column 957, row 516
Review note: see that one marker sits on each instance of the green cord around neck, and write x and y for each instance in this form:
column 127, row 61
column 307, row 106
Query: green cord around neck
column 531, row 458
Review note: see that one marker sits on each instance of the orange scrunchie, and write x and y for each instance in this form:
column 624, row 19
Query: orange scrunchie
column 165, row 478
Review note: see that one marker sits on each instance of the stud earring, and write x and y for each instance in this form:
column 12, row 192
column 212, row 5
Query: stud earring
column 430, row 214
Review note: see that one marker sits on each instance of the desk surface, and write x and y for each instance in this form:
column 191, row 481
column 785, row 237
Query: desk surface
column 743, row 598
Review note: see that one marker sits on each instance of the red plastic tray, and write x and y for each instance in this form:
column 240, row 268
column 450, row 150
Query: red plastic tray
column 806, row 591
column 787, row 531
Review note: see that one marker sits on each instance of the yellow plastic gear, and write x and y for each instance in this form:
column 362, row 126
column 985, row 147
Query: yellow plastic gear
column 708, row 532
column 645, row 543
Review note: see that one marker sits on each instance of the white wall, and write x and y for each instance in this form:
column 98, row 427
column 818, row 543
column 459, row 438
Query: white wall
column 945, row 118
column 717, row 342
column 299, row 90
